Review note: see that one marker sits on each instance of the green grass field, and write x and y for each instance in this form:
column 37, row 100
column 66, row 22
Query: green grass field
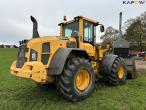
column 20, row 94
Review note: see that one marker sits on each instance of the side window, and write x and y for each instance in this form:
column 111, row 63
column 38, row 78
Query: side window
column 68, row 32
column 71, row 28
column 88, row 32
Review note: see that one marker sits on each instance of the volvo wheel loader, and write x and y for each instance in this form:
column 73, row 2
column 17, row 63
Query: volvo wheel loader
column 71, row 60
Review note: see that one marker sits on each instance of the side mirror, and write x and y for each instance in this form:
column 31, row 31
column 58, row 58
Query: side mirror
column 101, row 28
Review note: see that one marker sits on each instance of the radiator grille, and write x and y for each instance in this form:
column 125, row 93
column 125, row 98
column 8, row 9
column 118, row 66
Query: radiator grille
column 21, row 59
column 45, row 53
column 45, row 58
column 46, row 47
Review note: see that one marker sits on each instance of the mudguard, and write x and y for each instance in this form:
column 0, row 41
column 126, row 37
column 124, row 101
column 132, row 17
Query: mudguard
column 58, row 61
column 107, row 62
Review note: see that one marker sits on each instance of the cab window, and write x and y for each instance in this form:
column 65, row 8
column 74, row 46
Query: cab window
column 71, row 28
column 88, row 32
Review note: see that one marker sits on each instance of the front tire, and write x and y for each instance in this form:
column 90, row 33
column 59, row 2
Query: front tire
column 116, row 75
column 77, row 80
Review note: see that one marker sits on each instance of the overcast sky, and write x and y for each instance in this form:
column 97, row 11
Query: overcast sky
column 15, row 23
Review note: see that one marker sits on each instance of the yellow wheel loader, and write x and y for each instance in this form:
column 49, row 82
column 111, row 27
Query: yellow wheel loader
column 72, row 60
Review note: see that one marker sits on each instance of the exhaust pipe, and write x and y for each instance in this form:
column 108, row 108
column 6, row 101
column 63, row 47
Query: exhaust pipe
column 35, row 27
column 120, row 24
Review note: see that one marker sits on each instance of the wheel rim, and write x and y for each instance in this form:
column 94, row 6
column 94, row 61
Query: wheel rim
column 120, row 72
column 82, row 80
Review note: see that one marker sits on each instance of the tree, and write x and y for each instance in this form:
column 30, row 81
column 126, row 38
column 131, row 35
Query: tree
column 136, row 32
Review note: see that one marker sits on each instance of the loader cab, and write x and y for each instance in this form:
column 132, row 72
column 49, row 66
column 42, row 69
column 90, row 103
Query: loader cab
column 83, row 30
column 80, row 27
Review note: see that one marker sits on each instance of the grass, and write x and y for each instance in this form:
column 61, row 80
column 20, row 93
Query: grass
column 20, row 94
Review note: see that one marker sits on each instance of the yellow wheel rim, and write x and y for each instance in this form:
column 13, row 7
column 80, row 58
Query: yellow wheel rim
column 82, row 80
column 120, row 72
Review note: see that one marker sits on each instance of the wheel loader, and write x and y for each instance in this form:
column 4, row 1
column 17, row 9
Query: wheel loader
column 71, row 60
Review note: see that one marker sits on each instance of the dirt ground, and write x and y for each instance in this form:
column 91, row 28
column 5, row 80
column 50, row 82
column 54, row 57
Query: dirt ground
column 140, row 66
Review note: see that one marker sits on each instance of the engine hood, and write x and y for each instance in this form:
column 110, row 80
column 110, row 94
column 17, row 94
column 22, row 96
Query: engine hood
column 49, row 39
column 54, row 43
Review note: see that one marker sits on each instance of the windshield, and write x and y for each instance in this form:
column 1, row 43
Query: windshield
column 71, row 28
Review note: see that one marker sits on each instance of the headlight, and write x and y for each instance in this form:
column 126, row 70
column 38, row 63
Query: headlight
column 33, row 55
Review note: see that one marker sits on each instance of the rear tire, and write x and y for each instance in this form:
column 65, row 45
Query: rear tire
column 118, row 73
column 77, row 80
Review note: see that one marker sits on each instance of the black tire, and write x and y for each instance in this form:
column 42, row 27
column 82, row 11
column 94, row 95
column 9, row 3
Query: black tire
column 66, row 83
column 113, row 77
column 131, row 68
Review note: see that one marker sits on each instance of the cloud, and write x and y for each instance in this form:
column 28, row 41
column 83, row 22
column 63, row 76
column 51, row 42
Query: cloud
column 15, row 23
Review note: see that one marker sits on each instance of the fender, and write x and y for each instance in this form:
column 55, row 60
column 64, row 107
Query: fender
column 58, row 61
column 107, row 62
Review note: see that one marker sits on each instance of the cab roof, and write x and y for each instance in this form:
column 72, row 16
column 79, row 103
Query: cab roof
column 76, row 18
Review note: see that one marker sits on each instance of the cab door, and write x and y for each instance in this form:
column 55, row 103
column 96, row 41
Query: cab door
column 88, row 42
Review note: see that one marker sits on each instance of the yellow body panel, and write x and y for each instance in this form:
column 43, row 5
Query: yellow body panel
column 54, row 42
column 88, row 48
column 32, row 70
column 39, row 73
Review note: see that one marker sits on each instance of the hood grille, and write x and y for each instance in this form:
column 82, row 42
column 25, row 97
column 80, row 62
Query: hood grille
column 21, row 59
column 45, row 52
